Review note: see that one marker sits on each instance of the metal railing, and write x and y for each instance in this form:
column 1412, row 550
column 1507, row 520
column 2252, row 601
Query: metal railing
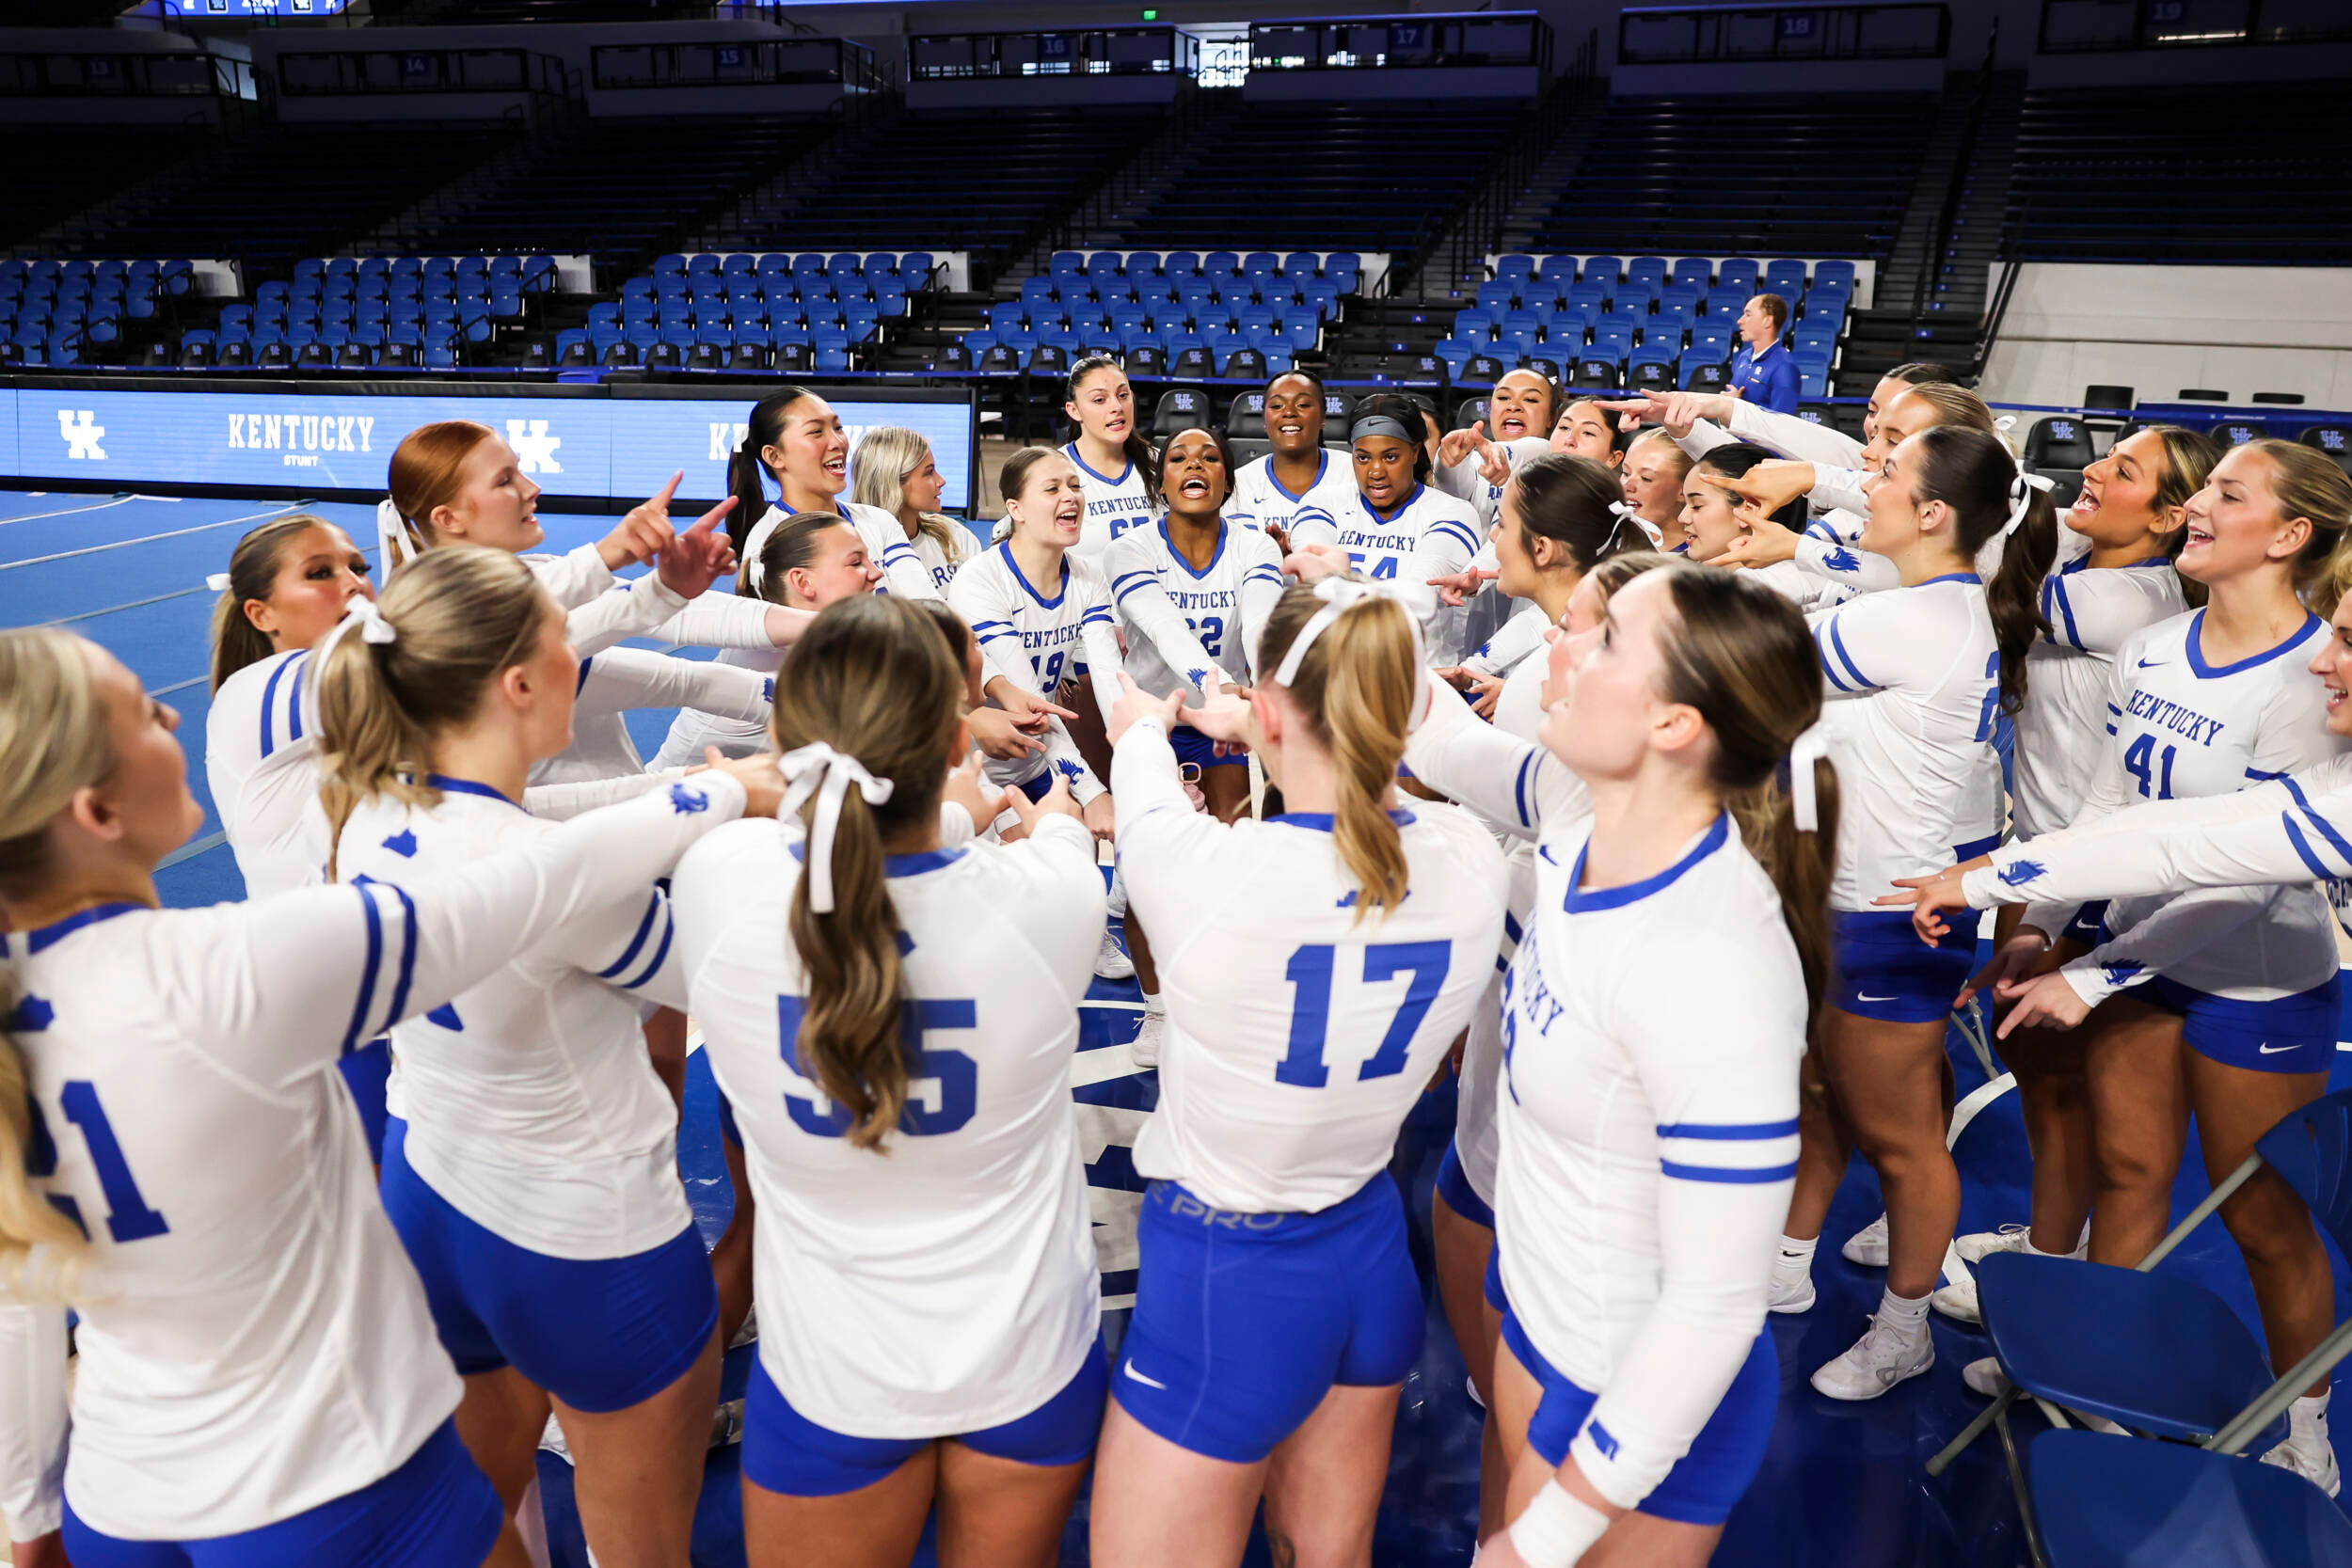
column 177, row 74
column 1086, row 52
column 734, row 63
column 2082, row 26
column 1390, row 42
column 1474, row 226
column 1692, row 35
column 328, row 74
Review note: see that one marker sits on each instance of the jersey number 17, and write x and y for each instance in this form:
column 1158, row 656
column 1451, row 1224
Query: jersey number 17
column 1309, row 972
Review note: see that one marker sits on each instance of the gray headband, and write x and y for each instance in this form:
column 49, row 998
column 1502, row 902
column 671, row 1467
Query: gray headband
column 1379, row 424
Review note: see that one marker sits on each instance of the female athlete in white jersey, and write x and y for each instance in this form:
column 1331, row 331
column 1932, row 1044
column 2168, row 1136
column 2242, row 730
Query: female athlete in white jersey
column 259, row 1383
column 1040, row 610
column 793, row 438
column 1402, row 529
column 1317, row 965
column 2247, row 979
column 1297, row 491
column 1112, row 455
column 925, row 1256
column 534, row 1181
column 1917, row 678
column 2113, row 577
column 892, row 470
column 1649, row 1131
column 1653, row 473
column 1714, row 522
column 1473, row 465
column 1585, row 428
column 806, row 561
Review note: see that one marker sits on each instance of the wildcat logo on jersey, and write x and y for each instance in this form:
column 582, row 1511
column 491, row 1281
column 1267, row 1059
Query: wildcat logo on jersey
column 1841, row 561
column 534, row 449
column 2022, row 872
column 2121, row 973
column 82, row 433
column 31, row 1015
column 683, row 801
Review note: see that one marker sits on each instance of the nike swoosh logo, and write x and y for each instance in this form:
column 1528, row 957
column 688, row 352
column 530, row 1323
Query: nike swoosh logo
column 2154, row 663
column 2272, row 1050
column 1866, row 996
column 1129, row 1368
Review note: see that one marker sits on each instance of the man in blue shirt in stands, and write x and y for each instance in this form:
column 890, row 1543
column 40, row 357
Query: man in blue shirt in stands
column 1764, row 373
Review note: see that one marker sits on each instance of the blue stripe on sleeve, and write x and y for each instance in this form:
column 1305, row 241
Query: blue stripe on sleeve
column 2327, row 830
column 1125, row 577
column 636, row 943
column 2303, row 847
column 1829, row 670
column 1728, row 1132
column 269, row 703
column 987, row 626
column 1453, row 529
column 1511, row 927
column 669, row 929
column 294, row 699
column 1837, row 640
column 1728, row 1175
column 996, row 634
column 358, row 1031
column 399, row 1006
column 1120, row 595
column 2066, row 608
column 1519, row 789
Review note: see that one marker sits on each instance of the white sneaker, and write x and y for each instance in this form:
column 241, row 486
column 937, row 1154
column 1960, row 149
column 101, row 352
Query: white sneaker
column 1112, row 962
column 1867, row 1247
column 1469, row 1387
column 1793, row 1285
column 1879, row 1360
column 1958, row 1299
column 1117, row 895
column 749, row 1332
column 1144, row 1050
column 2308, row 1451
column 551, row 1441
column 1986, row 1377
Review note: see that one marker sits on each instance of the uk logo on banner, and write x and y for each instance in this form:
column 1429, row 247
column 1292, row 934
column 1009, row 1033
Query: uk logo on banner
column 533, row 446
column 82, row 432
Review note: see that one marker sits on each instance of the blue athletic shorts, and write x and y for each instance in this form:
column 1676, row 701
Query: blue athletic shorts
column 1724, row 1458
column 2087, row 923
column 1881, row 969
column 365, row 1072
column 1494, row 1282
column 1454, row 1187
column 599, row 1335
column 790, row 1454
column 1244, row 1321
column 1191, row 746
column 2293, row 1034
column 437, row 1510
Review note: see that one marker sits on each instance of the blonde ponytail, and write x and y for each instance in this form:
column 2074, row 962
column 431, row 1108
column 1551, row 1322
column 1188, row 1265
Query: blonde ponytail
column 460, row 615
column 1355, row 686
column 55, row 742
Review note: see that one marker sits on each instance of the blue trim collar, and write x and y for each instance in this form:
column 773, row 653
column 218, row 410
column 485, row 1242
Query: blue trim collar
column 1223, row 532
column 1402, row 507
column 46, row 937
column 1950, row 576
column 2204, row 671
column 1320, row 821
column 1323, row 466
column 448, row 786
column 1580, row 902
column 1070, row 451
column 1013, row 566
column 896, row 865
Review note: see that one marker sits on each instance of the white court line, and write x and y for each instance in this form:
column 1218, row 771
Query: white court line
column 149, row 539
column 93, row 506
column 1963, row 1114
column 1114, row 1007
column 189, row 851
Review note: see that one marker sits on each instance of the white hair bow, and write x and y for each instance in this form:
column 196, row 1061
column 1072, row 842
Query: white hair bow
column 817, row 770
column 2021, row 491
column 392, row 538
column 218, row 582
column 363, row 612
column 1804, row 752
column 1338, row 595
column 1625, row 513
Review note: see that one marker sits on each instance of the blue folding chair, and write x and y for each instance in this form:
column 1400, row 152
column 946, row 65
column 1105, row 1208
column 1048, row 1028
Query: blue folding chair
column 2152, row 1353
column 2111, row 1502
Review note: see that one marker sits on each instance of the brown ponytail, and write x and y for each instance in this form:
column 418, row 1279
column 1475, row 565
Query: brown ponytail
column 872, row 678
column 1972, row 473
column 462, row 614
column 55, row 741
column 1743, row 658
column 1356, row 687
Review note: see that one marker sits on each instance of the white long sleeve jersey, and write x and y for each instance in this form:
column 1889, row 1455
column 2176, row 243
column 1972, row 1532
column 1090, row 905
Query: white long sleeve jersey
column 1310, row 516
column 916, row 568
column 1181, row 623
column 2285, row 831
column 1298, row 1036
column 947, row 1282
column 253, row 1341
column 1913, row 681
column 1428, row 534
column 532, row 1104
column 1037, row 640
column 2063, row 728
column 1115, row 504
column 2182, row 727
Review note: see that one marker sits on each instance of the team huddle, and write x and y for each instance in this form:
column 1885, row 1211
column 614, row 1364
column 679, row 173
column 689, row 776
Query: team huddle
column 1624, row 761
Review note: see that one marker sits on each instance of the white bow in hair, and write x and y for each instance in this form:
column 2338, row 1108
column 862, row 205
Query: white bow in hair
column 1338, row 595
column 2021, row 491
column 392, row 538
column 1804, row 752
column 363, row 612
column 817, row 770
column 218, row 582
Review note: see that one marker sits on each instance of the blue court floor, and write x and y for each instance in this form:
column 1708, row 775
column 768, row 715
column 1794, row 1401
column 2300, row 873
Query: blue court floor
column 1843, row 1485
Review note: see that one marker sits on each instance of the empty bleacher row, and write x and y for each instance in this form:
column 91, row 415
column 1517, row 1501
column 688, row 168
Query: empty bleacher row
column 355, row 314
column 269, row 195
column 1360, row 176
column 1814, row 174
column 1605, row 321
column 52, row 311
column 2254, row 172
column 745, row 312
